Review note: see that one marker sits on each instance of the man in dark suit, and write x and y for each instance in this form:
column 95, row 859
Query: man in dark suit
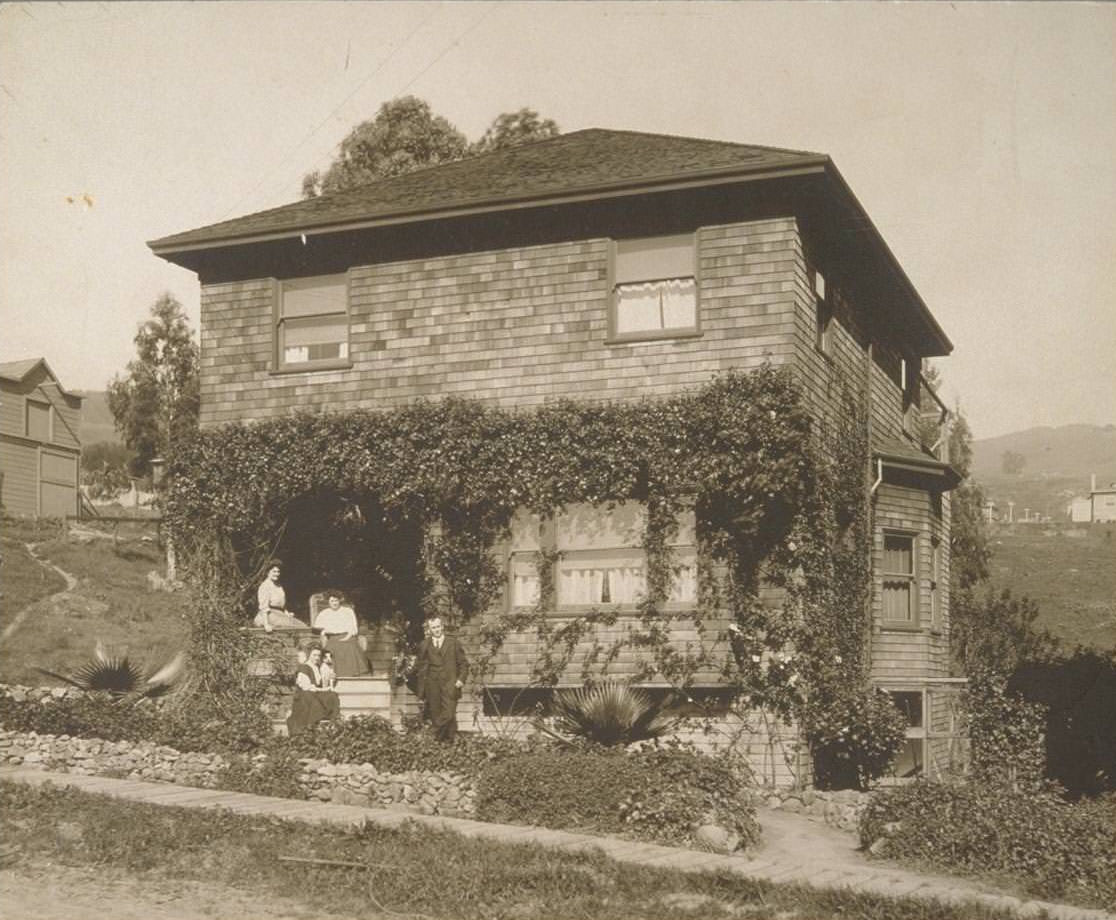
column 441, row 669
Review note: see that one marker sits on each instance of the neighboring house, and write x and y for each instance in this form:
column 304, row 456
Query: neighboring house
column 611, row 265
column 1098, row 507
column 40, row 451
column 1080, row 510
column 1102, row 502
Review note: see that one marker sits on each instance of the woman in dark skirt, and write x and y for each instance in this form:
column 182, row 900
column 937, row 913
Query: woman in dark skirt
column 339, row 627
column 312, row 702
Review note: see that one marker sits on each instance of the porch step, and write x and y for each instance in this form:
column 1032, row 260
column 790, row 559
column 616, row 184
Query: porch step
column 364, row 696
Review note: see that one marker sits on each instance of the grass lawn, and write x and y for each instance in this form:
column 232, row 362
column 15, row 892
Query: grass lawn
column 111, row 602
column 1071, row 578
column 412, row 870
column 22, row 579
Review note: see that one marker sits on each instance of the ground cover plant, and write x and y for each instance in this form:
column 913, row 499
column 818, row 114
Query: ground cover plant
column 474, row 879
column 657, row 793
column 111, row 603
column 1050, row 847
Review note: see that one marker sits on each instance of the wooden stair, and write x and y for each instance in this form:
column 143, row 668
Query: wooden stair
column 364, row 696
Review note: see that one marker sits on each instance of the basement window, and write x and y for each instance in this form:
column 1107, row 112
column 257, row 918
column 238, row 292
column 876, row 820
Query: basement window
column 654, row 293
column 312, row 323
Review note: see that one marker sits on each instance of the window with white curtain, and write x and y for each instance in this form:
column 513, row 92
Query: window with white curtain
column 655, row 287
column 600, row 562
column 312, row 323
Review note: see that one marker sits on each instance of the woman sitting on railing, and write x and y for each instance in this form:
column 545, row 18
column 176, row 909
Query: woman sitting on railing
column 272, row 609
column 312, row 702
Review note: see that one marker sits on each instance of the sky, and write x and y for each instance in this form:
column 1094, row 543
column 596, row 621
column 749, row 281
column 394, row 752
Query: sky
column 978, row 136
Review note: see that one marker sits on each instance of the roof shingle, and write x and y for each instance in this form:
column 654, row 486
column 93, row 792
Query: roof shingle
column 581, row 161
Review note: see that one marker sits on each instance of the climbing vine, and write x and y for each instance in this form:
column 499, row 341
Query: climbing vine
column 422, row 496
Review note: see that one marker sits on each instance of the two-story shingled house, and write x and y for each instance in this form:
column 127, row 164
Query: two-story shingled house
column 40, row 447
column 599, row 265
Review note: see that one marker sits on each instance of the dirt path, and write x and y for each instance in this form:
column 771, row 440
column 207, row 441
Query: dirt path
column 55, row 892
column 21, row 615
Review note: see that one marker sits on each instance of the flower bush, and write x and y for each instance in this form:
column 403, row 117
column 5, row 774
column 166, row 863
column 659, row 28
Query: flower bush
column 1056, row 849
column 854, row 734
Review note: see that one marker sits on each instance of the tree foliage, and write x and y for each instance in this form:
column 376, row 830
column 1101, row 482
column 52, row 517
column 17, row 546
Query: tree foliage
column 155, row 405
column 104, row 468
column 514, row 128
column 406, row 135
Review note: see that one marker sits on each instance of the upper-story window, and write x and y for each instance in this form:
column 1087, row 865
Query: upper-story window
column 823, row 313
column 654, row 291
column 39, row 420
column 312, row 323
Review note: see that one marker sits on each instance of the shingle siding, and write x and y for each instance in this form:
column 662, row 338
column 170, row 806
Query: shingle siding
column 513, row 327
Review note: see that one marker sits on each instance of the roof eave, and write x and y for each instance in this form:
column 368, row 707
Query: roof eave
column 905, row 282
column 166, row 246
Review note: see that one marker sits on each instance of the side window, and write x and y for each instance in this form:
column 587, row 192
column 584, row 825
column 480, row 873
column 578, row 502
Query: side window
column 823, row 313
column 900, row 586
column 39, row 420
column 935, row 584
column 312, row 323
column 654, row 292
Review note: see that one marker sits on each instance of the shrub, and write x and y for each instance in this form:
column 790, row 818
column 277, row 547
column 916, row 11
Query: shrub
column 1079, row 695
column 197, row 727
column 610, row 713
column 369, row 739
column 1005, row 735
column 661, row 794
column 1055, row 848
column 854, row 736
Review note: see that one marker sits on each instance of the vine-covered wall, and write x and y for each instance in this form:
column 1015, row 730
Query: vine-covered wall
column 422, row 496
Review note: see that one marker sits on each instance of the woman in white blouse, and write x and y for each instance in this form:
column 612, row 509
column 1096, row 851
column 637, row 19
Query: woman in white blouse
column 338, row 624
column 272, row 602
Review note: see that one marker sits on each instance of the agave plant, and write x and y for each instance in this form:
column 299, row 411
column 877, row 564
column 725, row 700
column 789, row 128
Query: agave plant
column 610, row 713
column 118, row 675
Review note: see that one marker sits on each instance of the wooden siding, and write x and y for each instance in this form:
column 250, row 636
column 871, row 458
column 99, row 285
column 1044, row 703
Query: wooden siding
column 19, row 466
column 39, row 477
column 513, row 327
column 922, row 648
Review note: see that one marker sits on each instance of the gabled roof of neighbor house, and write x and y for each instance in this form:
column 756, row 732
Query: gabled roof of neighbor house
column 582, row 163
column 17, row 371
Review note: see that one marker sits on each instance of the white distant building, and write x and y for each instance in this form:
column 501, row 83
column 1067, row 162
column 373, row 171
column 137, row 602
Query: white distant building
column 1099, row 507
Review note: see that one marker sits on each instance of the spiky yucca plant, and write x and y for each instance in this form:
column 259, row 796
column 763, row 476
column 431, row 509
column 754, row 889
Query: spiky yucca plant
column 610, row 713
column 118, row 675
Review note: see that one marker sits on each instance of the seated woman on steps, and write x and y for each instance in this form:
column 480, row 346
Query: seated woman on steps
column 312, row 702
column 272, row 608
column 338, row 624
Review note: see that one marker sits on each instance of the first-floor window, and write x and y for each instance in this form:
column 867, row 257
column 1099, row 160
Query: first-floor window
column 312, row 323
column 595, row 557
column 899, row 585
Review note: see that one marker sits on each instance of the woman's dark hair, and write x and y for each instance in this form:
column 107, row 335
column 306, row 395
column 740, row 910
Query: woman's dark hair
column 273, row 564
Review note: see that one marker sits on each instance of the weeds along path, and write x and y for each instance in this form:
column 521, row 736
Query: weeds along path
column 21, row 615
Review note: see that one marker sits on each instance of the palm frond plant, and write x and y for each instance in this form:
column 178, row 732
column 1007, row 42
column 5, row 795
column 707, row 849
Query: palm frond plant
column 610, row 713
column 118, row 675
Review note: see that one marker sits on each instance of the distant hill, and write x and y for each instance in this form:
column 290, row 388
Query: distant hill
column 96, row 420
column 1068, row 451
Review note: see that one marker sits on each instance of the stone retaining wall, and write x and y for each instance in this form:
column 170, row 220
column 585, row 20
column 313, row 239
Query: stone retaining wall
column 425, row 792
column 841, row 810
